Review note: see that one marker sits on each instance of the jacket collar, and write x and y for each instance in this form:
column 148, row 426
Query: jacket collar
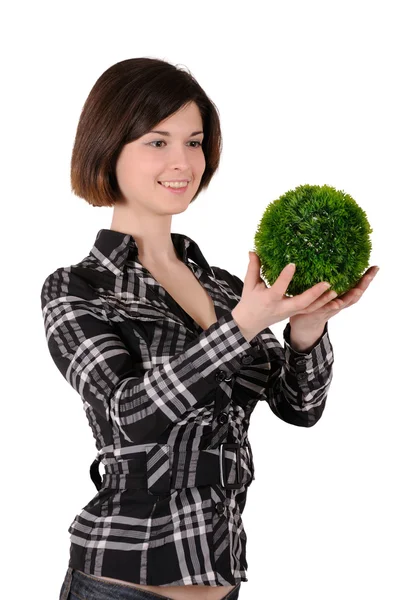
column 113, row 248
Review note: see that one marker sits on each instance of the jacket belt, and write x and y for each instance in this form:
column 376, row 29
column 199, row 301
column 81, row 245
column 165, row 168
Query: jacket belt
column 159, row 470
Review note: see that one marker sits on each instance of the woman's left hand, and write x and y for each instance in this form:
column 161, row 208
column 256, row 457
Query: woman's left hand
column 326, row 306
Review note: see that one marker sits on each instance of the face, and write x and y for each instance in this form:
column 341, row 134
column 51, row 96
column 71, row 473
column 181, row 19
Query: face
column 155, row 157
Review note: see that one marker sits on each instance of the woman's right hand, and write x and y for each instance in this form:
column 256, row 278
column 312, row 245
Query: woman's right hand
column 261, row 306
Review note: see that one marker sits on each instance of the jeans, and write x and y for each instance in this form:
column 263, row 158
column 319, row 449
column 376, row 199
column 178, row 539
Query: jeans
column 77, row 586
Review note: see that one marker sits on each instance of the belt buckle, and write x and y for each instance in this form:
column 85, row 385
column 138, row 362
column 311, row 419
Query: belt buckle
column 224, row 483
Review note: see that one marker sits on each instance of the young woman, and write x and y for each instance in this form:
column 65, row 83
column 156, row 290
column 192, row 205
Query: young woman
column 169, row 354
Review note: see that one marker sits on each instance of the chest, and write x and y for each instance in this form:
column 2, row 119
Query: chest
column 187, row 291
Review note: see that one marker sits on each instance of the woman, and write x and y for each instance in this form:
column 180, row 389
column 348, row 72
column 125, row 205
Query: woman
column 116, row 162
column 169, row 355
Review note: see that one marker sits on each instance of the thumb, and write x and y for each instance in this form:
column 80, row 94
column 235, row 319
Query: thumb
column 253, row 259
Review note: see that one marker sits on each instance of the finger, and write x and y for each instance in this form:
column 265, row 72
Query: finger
column 345, row 301
column 348, row 297
column 253, row 271
column 365, row 280
column 304, row 300
column 282, row 282
column 325, row 299
column 353, row 299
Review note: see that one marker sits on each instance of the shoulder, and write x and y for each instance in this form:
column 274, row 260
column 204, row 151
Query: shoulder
column 73, row 280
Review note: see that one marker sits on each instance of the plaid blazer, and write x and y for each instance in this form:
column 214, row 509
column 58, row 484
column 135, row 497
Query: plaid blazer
column 169, row 406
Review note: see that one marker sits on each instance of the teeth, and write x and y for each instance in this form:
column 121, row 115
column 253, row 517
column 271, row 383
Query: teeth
column 174, row 184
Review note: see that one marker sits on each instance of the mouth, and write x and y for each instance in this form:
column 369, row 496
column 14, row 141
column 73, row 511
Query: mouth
column 179, row 190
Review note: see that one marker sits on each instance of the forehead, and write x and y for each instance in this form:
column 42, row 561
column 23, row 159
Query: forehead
column 187, row 117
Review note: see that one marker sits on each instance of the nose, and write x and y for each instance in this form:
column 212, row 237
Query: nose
column 180, row 155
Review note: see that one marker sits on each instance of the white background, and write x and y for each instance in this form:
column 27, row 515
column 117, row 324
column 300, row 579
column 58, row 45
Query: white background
column 307, row 93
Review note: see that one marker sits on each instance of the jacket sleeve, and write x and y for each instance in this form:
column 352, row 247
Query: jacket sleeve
column 140, row 400
column 295, row 384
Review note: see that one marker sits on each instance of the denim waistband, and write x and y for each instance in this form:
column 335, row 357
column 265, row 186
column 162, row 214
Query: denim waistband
column 85, row 585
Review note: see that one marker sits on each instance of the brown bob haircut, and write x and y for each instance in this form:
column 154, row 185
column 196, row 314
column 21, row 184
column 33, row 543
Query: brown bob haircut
column 128, row 100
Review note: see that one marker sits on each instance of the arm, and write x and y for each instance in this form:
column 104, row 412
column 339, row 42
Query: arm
column 305, row 343
column 298, row 385
column 294, row 383
column 115, row 382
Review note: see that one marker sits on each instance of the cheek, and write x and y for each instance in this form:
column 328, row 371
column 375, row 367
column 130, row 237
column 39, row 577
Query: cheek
column 200, row 163
column 149, row 164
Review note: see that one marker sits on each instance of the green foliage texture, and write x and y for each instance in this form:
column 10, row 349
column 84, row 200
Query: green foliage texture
column 320, row 229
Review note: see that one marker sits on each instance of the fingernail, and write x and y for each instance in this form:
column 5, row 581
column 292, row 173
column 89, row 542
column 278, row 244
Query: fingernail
column 326, row 285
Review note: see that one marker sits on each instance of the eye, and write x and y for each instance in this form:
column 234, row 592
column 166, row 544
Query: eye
column 163, row 142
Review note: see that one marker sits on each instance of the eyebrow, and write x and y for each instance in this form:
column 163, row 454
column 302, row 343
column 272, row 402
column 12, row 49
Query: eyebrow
column 168, row 133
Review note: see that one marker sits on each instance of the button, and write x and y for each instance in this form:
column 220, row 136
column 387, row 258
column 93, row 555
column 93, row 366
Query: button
column 301, row 376
column 220, row 508
column 221, row 375
column 301, row 361
column 223, row 417
column 246, row 360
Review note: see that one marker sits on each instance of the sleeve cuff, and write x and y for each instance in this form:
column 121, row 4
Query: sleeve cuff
column 321, row 352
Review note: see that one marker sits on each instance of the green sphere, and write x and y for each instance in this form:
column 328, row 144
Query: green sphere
column 320, row 229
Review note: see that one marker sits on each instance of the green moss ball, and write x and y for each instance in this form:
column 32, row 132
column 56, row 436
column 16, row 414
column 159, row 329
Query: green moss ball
column 320, row 229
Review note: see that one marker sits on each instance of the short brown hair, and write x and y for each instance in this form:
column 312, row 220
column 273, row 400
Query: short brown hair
column 127, row 101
